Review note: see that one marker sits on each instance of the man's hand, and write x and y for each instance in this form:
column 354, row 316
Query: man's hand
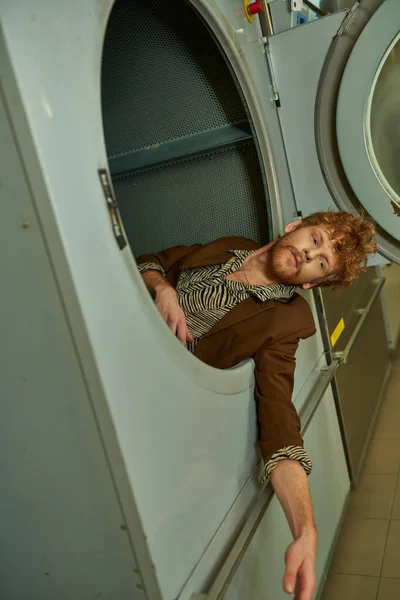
column 167, row 303
column 300, row 557
column 289, row 481
column 166, row 300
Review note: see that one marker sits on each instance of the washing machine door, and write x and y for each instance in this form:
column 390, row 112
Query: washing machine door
column 359, row 92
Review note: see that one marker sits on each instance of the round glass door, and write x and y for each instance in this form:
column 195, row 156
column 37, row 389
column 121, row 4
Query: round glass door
column 368, row 123
column 383, row 124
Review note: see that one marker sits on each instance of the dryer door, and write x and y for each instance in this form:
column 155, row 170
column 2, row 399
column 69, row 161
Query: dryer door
column 360, row 156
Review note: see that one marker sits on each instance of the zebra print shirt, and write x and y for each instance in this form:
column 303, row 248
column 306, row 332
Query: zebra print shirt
column 205, row 296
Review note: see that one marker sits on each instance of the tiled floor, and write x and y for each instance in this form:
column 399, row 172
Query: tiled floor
column 366, row 564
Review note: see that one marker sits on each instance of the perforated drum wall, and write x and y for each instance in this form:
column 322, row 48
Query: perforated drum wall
column 198, row 200
column 164, row 79
column 163, row 76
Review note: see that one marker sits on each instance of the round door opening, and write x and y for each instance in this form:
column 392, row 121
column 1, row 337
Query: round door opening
column 383, row 125
column 180, row 145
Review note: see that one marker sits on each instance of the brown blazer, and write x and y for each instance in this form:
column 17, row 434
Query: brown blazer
column 268, row 332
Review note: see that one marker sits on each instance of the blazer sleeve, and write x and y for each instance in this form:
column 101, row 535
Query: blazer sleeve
column 279, row 423
column 165, row 260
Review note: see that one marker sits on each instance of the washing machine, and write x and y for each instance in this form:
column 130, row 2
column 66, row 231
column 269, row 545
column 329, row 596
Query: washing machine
column 130, row 468
column 338, row 158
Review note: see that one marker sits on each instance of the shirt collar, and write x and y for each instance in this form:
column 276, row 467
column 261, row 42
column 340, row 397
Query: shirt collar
column 275, row 291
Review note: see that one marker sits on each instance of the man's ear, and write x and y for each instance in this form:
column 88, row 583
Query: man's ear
column 308, row 286
column 292, row 226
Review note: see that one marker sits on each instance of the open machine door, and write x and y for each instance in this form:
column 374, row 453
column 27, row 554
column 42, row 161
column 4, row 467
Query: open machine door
column 357, row 126
column 337, row 108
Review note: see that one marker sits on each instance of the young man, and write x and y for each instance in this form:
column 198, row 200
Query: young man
column 230, row 300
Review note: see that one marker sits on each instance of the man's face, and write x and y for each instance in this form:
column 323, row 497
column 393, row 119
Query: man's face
column 302, row 257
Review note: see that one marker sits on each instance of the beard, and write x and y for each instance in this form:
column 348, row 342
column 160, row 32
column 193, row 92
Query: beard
column 280, row 265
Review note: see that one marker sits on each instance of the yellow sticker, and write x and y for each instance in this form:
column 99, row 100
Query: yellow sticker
column 337, row 333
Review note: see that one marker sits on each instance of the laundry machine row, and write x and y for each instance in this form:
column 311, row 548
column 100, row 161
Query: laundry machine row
column 128, row 465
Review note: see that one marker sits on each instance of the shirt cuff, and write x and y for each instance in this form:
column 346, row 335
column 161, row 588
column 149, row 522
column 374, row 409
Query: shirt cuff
column 150, row 266
column 289, row 452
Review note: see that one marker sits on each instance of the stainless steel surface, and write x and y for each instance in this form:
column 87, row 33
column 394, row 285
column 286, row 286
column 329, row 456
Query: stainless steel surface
column 343, row 355
column 246, row 534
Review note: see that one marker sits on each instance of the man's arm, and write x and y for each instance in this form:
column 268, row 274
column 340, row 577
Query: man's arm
column 155, row 282
column 290, row 483
column 167, row 259
column 280, row 441
column 166, row 301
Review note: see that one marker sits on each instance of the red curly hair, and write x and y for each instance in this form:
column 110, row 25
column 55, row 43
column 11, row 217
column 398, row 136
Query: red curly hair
column 352, row 239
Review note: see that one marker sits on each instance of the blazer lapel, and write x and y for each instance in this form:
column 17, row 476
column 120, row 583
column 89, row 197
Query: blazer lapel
column 217, row 252
column 199, row 260
column 245, row 309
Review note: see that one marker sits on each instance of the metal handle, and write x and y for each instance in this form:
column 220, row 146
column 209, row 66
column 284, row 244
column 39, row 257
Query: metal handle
column 343, row 355
column 311, row 405
column 246, row 534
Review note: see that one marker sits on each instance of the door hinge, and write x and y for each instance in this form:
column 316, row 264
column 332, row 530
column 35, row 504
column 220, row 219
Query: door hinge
column 112, row 208
column 273, row 88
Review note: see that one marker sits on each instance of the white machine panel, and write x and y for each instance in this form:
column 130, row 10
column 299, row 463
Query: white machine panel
column 297, row 83
column 179, row 435
column 168, row 443
column 260, row 574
